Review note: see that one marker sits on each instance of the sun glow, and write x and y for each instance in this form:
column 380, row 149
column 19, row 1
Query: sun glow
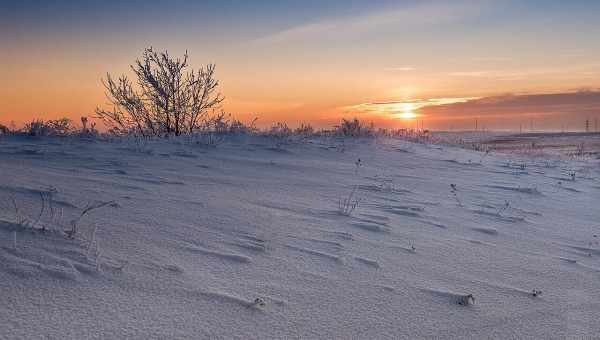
column 407, row 111
column 408, row 115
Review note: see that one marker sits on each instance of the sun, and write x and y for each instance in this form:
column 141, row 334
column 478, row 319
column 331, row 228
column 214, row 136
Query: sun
column 407, row 115
column 407, row 111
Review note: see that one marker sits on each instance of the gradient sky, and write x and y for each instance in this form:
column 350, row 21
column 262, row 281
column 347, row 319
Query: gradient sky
column 296, row 61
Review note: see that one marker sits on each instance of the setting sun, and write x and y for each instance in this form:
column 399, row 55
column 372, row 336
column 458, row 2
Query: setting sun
column 407, row 110
column 408, row 115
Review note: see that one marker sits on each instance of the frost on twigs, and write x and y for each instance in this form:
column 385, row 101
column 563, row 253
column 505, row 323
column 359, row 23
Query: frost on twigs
column 47, row 215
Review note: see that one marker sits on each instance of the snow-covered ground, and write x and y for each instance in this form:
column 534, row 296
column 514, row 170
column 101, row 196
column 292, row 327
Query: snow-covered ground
column 197, row 234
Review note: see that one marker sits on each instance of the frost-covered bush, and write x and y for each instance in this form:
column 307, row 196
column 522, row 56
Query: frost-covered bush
column 238, row 127
column 88, row 129
column 36, row 128
column 4, row 130
column 223, row 124
column 304, row 130
column 354, row 128
column 59, row 127
column 166, row 98
column 48, row 216
column 281, row 132
column 215, row 130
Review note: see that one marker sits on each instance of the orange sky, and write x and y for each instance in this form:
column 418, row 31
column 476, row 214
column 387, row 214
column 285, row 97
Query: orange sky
column 316, row 68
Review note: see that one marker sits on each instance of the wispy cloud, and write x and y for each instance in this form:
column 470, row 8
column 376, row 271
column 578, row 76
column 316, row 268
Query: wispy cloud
column 402, row 69
column 579, row 70
column 432, row 13
column 391, row 108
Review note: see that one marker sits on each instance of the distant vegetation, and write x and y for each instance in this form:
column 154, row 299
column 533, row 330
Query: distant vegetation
column 216, row 126
column 63, row 127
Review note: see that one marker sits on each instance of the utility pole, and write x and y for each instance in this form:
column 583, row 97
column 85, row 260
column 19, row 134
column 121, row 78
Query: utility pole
column 476, row 124
column 596, row 124
column 587, row 125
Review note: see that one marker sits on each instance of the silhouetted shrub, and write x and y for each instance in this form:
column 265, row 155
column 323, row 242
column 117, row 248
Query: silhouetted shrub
column 281, row 132
column 58, row 127
column 166, row 99
column 354, row 128
column 88, row 129
column 304, row 130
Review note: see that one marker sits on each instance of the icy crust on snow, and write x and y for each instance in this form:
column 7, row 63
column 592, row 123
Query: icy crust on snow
column 252, row 240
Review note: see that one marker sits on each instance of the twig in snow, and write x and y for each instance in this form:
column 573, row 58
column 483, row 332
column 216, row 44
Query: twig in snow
column 88, row 209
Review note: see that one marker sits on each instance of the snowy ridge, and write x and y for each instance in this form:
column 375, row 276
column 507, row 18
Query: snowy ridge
column 252, row 240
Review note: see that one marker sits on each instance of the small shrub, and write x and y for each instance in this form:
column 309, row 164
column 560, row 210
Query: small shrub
column 354, row 128
column 580, row 149
column 214, row 130
column 47, row 212
column 88, row 129
column 304, row 130
column 281, row 132
column 223, row 124
column 348, row 204
column 74, row 224
column 238, row 127
column 218, row 124
column 48, row 218
column 503, row 208
column 36, row 128
column 59, row 127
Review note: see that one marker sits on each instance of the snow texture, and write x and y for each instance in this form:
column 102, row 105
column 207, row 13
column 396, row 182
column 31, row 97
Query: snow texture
column 246, row 241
